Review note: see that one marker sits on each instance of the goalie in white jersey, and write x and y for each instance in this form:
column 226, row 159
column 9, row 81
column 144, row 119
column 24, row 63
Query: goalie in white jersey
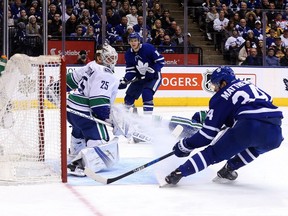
column 95, row 88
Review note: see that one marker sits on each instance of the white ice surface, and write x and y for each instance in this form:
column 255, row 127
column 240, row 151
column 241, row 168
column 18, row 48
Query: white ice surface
column 260, row 190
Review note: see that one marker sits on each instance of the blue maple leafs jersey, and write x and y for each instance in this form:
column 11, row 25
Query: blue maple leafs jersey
column 146, row 55
column 237, row 100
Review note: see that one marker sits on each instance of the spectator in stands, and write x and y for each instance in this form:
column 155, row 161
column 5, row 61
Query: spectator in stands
column 112, row 18
column 242, row 28
column 166, row 46
column 232, row 46
column 16, row 8
column 210, row 17
column 284, row 38
column 278, row 45
column 172, row 29
column 178, row 39
column 19, row 39
column 32, row 12
column 265, row 5
column 253, row 59
column 228, row 13
column 284, row 59
column 166, row 19
column 258, row 12
column 271, row 59
column 229, row 29
column 157, row 9
column 126, row 34
column 92, row 7
column 260, row 48
column 270, row 38
column 58, row 33
column 52, row 11
column 53, row 27
column 271, row 14
column 71, row 25
column 68, row 12
column 258, row 31
column 124, row 9
column 132, row 17
column 139, row 26
column 82, row 58
column 155, row 28
column 219, row 27
column 159, row 37
column 250, row 19
column 23, row 17
column 97, row 16
column 80, row 8
column 280, row 22
column 236, row 18
column 273, row 25
column 32, row 28
column 150, row 19
column 114, row 6
column 234, row 5
column 250, row 36
column 243, row 10
column 244, row 51
column 121, row 28
column 10, row 20
column 119, row 44
column 78, row 33
column 90, row 33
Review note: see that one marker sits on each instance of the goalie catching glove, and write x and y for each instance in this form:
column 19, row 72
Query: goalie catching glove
column 181, row 150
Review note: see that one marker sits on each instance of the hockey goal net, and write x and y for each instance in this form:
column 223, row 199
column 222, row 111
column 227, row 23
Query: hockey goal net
column 32, row 129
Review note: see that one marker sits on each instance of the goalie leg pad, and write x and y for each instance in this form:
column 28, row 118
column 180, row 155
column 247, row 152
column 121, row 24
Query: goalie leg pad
column 100, row 157
column 76, row 145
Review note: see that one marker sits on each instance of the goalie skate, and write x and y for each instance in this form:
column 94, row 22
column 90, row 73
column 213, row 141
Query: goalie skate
column 75, row 170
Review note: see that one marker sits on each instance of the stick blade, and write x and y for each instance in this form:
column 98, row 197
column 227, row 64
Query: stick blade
column 177, row 131
column 95, row 176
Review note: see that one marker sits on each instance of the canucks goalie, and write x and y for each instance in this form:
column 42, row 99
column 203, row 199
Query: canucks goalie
column 95, row 88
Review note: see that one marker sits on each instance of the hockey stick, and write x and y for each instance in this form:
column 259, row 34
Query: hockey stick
column 176, row 132
column 135, row 134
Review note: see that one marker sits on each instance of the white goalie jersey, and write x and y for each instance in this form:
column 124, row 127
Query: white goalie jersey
column 95, row 85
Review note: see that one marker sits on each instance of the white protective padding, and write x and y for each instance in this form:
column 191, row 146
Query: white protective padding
column 100, row 157
column 30, row 134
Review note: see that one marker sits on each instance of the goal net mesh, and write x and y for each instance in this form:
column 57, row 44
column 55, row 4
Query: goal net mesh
column 30, row 135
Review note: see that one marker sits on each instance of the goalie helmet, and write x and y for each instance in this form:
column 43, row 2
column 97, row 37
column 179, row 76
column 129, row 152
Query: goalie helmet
column 221, row 74
column 109, row 55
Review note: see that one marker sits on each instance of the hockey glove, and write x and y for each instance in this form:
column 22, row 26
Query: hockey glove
column 123, row 84
column 150, row 74
column 180, row 149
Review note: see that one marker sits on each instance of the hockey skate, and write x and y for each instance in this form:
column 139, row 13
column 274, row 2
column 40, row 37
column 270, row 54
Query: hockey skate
column 75, row 169
column 226, row 174
column 174, row 177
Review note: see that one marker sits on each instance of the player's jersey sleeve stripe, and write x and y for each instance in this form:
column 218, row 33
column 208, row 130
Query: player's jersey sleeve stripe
column 261, row 110
column 206, row 135
column 211, row 128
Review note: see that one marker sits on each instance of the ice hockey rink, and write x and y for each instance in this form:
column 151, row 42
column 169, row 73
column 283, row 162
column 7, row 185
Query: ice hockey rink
column 260, row 190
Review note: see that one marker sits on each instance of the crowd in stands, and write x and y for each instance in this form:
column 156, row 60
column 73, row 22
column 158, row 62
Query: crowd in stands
column 246, row 31
column 83, row 22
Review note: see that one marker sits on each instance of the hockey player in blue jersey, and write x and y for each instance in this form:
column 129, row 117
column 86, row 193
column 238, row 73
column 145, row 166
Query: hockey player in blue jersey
column 143, row 62
column 254, row 128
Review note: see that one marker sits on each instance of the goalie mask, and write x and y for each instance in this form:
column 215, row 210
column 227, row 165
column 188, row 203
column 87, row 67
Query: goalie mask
column 109, row 55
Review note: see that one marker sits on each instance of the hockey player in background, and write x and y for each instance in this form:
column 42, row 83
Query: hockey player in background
column 254, row 128
column 95, row 91
column 144, row 63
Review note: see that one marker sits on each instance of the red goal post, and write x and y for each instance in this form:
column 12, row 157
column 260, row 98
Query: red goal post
column 33, row 146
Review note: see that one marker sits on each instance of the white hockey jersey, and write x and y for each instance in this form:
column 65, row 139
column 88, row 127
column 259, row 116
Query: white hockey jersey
column 95, row 86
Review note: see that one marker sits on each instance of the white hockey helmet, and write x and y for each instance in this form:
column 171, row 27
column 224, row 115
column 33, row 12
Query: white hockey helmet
column 109, row 56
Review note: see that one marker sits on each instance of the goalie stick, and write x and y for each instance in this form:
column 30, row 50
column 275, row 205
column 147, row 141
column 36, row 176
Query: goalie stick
column 176, row 132
column 135, row 134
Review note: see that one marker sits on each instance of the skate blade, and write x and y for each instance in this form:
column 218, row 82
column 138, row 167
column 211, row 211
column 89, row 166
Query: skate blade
column 219, row 180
